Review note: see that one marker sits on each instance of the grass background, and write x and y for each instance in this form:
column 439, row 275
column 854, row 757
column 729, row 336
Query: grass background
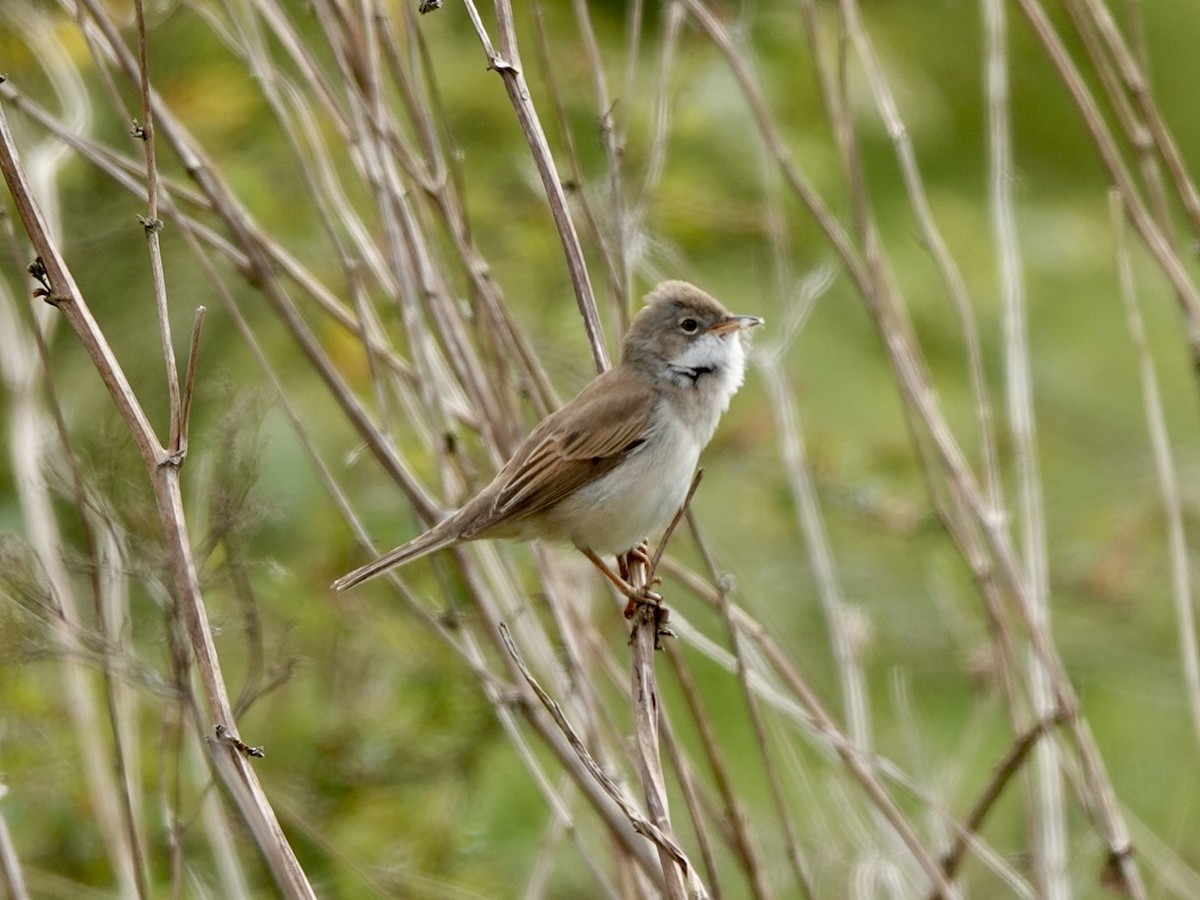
column 385, row 760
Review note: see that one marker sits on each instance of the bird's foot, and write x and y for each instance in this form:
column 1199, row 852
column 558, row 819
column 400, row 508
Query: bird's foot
column 641, row 553
column 643, row 596
column 645, row 607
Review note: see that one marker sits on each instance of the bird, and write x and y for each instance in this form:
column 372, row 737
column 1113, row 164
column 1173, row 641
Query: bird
column 614, row 464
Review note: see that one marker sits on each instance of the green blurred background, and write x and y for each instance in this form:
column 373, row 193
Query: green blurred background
column 383, row 755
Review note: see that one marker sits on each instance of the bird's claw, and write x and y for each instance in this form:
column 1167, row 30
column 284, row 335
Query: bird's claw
column 643, row 601
column 641, row 553
column 644, row 596
column 645, row 606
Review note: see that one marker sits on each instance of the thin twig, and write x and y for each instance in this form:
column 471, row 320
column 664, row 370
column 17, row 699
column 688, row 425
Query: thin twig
column 735, row 812
column 1168, row 479
column 648, row 625
column 1050, row 829
column 189, row 383
column 652, row 569
column 25, row 366
column 240, row 779
column 644, row 695
column 799, row 866
column 931, row 237
column 690, row 787
column 508, row 67
column 12, row 876
column 856, row 762
column 1137, row 81
column 152, row 225
column 1159, row 246
column 1001, row 775
column 640, row 823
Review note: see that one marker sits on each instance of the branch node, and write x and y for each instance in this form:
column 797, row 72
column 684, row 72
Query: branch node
column 450, row 619
column 139, row 131
column 152, row 226
column 37, row 269
column 1112, row 876
column 649, row 614
column 514, row 699
column 226, row 737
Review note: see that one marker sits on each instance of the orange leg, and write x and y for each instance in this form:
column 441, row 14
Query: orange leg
column 647, row 605
column 636, row 596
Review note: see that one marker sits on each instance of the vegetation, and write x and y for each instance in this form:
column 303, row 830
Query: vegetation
column 933, row 601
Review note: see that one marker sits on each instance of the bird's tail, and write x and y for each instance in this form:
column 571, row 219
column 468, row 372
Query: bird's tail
column 420, row 546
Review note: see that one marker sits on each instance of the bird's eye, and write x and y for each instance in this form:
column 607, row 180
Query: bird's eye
column 689, row 325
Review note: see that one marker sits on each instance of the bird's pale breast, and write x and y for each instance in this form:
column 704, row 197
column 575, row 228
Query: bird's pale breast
column 634, row 501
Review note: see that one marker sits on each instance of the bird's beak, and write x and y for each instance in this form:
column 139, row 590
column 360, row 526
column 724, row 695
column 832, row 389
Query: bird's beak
column 734, row 323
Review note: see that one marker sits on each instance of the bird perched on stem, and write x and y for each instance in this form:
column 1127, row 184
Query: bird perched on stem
column 614, row 464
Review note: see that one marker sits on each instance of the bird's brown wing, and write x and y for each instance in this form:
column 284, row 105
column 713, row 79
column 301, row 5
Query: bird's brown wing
column 576, row 445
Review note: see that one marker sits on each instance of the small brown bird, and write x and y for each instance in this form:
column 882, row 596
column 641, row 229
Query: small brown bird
column 615, row 464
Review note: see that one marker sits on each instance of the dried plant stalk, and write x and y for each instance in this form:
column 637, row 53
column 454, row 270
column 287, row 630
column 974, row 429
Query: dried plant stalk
column 402, row 330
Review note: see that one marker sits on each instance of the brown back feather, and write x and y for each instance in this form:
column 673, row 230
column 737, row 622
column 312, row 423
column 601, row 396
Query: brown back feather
column 571, row 448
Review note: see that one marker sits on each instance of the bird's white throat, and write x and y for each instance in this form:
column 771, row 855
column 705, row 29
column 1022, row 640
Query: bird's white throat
column 709, row 372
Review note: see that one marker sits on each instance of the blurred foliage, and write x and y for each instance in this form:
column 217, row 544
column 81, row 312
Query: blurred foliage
column 389, row 766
